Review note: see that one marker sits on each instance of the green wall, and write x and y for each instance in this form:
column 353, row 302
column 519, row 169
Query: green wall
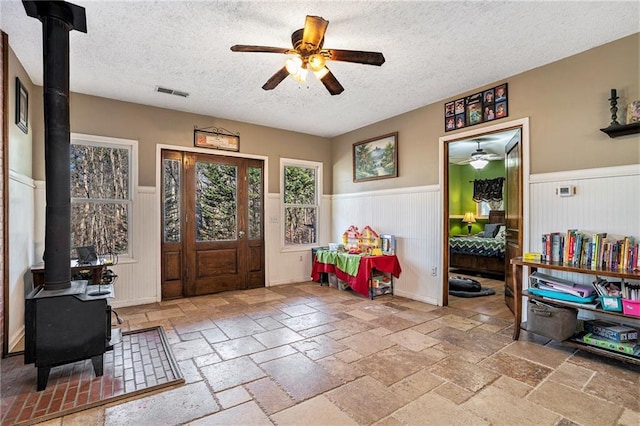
column 461, row 193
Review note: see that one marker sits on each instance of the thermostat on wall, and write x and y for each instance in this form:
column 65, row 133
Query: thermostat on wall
column 566, row 191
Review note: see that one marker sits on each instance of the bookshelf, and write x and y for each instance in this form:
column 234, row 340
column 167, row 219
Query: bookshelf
column 518, row 265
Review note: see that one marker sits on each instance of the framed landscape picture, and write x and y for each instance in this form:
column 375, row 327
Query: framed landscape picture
column 376, row 158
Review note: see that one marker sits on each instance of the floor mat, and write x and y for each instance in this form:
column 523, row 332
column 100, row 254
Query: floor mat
column 142, row 362
column 482, row 292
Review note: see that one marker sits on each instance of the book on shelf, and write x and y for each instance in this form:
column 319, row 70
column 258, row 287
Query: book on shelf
column 629, row 348
column 556, row 246
column 594, row 250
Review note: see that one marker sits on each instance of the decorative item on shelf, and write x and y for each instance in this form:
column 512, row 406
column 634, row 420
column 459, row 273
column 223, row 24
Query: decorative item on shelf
column 469, row 218
column 216, row 138
column 614, row 108
column 633, row 112
column 616, row 129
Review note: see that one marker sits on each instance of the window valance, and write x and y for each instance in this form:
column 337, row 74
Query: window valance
column 487, row 189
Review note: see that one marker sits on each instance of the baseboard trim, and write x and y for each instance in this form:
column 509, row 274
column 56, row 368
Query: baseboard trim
column 134, row 302
column 428, row 300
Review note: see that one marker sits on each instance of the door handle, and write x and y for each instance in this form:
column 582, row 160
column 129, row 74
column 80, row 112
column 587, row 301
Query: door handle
column 241, row 234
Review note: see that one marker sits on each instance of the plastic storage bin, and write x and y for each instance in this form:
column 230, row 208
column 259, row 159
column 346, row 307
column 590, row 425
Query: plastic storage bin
column 611, row 303
column 631, row 307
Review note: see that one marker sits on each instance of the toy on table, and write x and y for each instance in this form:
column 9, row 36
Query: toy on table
column 351, row 239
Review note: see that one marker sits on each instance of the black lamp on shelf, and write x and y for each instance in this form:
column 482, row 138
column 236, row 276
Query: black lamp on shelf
column 616, row 129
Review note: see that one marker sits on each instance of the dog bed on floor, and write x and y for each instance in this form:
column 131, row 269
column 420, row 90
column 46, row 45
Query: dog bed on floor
column 467, row 287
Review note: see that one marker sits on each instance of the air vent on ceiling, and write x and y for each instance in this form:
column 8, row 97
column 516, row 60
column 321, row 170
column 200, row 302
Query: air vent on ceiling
column 161, row 89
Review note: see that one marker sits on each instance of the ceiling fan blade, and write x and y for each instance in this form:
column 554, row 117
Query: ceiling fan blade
column 313, row 35
column 276, row 79
column 358, row 56
column 263, row 49
column 332, row 84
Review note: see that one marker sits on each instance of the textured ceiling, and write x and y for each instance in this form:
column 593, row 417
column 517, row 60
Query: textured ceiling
column 433, row 50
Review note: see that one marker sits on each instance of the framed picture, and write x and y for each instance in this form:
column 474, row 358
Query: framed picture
column 376, row 158
column 481, row 107
column 633, row 112
column 216, row 139
column 22, row 106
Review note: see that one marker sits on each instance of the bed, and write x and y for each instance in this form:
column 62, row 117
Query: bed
column 479, row 254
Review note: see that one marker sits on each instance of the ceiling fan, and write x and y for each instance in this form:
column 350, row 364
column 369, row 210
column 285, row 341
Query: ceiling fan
column 480, row 158
column 309, row 53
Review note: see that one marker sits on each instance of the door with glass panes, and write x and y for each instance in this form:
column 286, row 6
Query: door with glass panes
column 212, row 224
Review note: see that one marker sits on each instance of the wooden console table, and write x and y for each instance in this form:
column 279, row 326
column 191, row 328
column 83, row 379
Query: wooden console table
column 96, row 267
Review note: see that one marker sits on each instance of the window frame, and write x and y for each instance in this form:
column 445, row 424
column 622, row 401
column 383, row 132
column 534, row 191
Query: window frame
column 290, row 162
column 117, row 143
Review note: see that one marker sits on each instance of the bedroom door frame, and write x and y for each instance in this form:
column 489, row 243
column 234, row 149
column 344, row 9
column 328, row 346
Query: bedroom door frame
column 523, row 125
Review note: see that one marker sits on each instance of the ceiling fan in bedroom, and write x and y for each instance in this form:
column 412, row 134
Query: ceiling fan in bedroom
column 308, row 54
column 480, row 158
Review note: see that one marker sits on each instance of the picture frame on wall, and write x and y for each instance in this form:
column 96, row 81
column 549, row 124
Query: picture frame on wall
column 488, row 105
column 22, row 106
column 376, row 158
column 216, row 139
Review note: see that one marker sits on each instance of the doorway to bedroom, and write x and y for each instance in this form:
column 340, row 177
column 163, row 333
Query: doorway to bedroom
column 482, row 194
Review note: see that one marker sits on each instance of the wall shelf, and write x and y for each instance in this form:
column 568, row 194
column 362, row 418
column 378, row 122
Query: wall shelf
column 622, row 130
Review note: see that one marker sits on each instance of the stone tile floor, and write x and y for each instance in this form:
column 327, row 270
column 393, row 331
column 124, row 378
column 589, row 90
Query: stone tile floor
column 302, row 354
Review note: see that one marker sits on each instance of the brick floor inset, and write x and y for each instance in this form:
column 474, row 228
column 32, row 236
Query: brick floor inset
column 141, row 362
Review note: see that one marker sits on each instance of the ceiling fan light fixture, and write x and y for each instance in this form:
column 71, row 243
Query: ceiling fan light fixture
column 297, row 69
column 293, row 65
column 316, row 62
column 478, row 163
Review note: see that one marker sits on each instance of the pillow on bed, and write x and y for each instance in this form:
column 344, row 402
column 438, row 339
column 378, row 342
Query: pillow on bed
column 501, row 233
column 491, row 229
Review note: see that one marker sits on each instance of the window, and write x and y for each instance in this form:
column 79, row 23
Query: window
column 484, row 207
column 301, row 189
column 102, row 184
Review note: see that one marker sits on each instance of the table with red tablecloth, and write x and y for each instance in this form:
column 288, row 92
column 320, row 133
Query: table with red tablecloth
column 360, row 282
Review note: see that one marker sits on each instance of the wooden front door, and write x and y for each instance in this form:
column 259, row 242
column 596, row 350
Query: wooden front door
column 513, row 213
column 213, row 226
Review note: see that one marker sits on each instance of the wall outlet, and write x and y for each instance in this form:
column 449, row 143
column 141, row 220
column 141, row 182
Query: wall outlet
column 300, row 258
column 434, row 271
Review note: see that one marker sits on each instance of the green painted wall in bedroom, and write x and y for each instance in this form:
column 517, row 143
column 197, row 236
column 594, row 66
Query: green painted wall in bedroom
column 461, row 193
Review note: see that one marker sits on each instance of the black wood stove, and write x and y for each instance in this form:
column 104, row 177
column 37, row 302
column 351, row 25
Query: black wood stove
column 63, row 322
column 63, row 326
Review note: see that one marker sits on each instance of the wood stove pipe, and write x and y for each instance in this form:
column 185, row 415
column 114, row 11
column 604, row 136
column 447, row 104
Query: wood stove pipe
column 58, row 18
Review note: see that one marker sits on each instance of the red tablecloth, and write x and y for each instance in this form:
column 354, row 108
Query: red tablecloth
column 360, row 283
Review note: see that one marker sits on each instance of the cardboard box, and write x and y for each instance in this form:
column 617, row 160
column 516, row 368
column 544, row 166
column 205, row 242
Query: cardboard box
column 611, row 331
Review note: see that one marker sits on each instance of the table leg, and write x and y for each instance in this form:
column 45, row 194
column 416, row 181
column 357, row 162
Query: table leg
column 517, row 300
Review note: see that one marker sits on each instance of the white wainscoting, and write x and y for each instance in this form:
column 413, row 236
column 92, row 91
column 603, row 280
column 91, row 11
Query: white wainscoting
column 21, row 220
column 606, row 200
column 412, row 215
column 291, row 266
column 137, row 281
